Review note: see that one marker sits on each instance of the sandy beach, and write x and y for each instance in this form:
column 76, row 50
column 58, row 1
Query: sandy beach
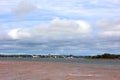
column 25, row 70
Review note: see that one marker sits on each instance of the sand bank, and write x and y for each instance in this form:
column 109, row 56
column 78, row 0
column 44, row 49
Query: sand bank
column 16, row 70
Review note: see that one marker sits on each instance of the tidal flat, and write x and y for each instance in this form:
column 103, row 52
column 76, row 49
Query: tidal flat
column 48, row 70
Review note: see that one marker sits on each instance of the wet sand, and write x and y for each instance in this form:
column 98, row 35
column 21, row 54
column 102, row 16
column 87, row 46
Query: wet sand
column 23, row 70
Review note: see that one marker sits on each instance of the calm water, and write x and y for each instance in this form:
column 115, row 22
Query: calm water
column 79, row 61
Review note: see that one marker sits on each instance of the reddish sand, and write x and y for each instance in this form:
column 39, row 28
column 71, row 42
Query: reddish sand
column 15, row 70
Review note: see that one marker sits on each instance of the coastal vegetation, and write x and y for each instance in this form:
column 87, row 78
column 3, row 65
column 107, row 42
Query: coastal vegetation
column 106, row 56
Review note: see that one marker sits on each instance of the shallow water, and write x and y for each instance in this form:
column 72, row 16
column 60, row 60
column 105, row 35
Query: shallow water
column 79, row 61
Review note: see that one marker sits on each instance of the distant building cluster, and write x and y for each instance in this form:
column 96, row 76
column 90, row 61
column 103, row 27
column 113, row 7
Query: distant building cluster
column 43, row 56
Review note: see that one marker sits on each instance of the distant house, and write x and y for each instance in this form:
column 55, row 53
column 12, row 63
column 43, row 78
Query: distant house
column 35, row 56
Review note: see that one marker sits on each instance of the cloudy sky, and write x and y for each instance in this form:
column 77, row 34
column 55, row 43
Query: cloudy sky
column 78, row 27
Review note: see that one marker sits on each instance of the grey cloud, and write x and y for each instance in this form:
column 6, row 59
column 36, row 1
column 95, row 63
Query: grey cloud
column 109, row 35
column 24, row 8
column 80, row 45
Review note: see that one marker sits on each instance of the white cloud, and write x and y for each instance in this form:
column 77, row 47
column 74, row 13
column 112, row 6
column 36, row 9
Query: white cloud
column 18, row 34
column 56, row 29
column 109, row 28
column 14, row 33
column 7, row 5
column 111, row 33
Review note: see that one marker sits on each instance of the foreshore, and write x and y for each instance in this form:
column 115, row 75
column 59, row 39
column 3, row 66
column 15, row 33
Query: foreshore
column 26, row 70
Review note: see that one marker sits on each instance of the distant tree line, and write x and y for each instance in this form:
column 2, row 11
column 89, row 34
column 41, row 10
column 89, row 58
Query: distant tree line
column 107, row 56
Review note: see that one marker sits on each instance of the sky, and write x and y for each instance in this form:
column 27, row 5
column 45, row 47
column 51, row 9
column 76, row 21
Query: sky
column 77, row 27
